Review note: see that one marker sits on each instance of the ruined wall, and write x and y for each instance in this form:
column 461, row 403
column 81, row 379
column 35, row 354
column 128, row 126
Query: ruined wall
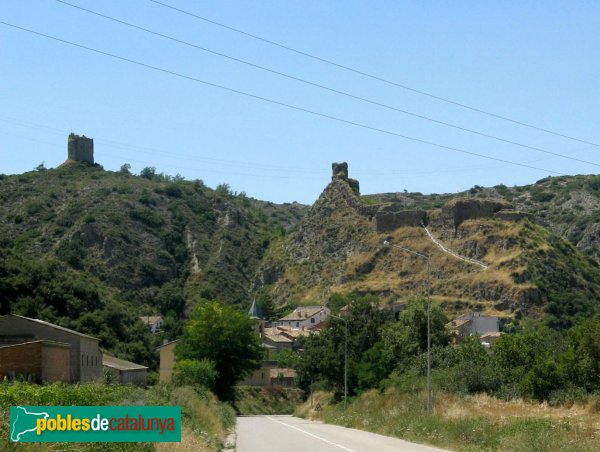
column 459, row 210
column 80, row 148
column 339, row 171
column 388, row 221
column 512, row 215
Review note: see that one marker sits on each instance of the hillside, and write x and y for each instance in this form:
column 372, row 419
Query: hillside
column 338, row 247
column 568, row 206
column 92, row 249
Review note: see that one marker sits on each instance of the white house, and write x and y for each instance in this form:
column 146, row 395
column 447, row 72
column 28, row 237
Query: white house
column 153, row 321
column 305, row 317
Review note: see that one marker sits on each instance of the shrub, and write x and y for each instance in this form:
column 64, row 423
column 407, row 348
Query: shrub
column 191, row 372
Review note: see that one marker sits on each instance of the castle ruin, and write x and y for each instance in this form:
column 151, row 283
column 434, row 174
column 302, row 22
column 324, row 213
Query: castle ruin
column 387, row 217
column 80, row 149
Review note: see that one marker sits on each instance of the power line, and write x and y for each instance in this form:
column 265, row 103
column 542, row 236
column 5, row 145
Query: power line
column 154, row 151
column 375, row 77
column 275, row 102
column 327, row 88
column 362, row 174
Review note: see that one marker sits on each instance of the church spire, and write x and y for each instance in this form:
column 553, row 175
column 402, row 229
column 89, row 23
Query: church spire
column 254, row 312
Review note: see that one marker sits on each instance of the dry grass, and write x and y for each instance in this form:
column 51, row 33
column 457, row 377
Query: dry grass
column 474, row 423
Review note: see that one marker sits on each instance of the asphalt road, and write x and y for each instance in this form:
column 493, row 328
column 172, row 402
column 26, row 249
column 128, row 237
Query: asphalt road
column 292, row 434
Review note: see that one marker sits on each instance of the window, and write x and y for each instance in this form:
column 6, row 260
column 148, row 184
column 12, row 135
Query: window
column 82, row 359
column 312, row 320
column 87, row 360
column 297, row 323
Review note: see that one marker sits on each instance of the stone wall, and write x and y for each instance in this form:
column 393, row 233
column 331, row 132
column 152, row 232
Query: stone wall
column 81, row 149
column 339, row 171
column 512, row 215
column 456, row 211
column 388, row 221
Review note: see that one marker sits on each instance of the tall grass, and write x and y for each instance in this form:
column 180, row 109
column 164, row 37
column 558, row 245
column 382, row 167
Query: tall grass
column 60, row 394
column 473, row 423
column 205, row 420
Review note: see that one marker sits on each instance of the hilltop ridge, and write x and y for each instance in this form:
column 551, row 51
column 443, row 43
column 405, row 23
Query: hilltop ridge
column 338, row 247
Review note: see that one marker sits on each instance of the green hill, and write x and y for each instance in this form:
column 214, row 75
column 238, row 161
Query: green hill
column 93, row 250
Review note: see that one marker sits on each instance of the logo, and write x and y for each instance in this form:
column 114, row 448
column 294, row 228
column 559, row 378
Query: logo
column 95, row 424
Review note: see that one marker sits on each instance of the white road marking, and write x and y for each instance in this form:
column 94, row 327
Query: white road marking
column 310, row 434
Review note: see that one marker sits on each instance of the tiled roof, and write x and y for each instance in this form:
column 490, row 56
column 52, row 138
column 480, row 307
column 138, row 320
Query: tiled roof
column 150, row 319
column 282, row 372
column 43, row 341
column 276, row 336
column 168, row 343
column 120, row 364
column 458, row 322
column 302, row 313
column 491, row 335
column 56, row 327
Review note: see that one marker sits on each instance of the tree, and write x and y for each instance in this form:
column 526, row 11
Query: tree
column 407, row 338
column 125, row 168
column 224, row 336
column 585, row 339
column 148, row 172
column 190, row 372
column 323, row 358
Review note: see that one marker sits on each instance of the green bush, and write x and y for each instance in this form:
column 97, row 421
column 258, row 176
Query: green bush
column 190, row 372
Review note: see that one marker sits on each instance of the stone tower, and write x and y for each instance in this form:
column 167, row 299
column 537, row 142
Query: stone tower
column 81, row 148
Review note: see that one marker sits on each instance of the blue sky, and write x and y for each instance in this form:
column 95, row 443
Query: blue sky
column 536, row 62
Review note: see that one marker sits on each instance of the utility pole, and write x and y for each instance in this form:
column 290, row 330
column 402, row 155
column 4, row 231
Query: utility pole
column 345, row 359
column 428, row 296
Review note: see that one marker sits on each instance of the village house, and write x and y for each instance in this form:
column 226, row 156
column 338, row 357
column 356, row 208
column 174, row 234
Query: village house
column 305, row 317
column 153, row 321
column 124, row 372
column 85, row 357
column 473, row 324
column 167, row 360
column 284, row 337
column 270, row 374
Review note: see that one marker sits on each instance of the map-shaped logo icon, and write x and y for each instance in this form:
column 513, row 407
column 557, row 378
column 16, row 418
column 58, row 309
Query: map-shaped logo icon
column 24, row 422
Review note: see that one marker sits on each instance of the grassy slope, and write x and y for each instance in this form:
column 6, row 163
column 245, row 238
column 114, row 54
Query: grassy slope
column 531, row 272
column 473, row 423
column 566, row 205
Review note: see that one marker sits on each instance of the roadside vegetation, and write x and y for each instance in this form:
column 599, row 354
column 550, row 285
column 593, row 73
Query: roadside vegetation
column 484, row 399
column 467, row 423
column 267, row 400
column 205, row 421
